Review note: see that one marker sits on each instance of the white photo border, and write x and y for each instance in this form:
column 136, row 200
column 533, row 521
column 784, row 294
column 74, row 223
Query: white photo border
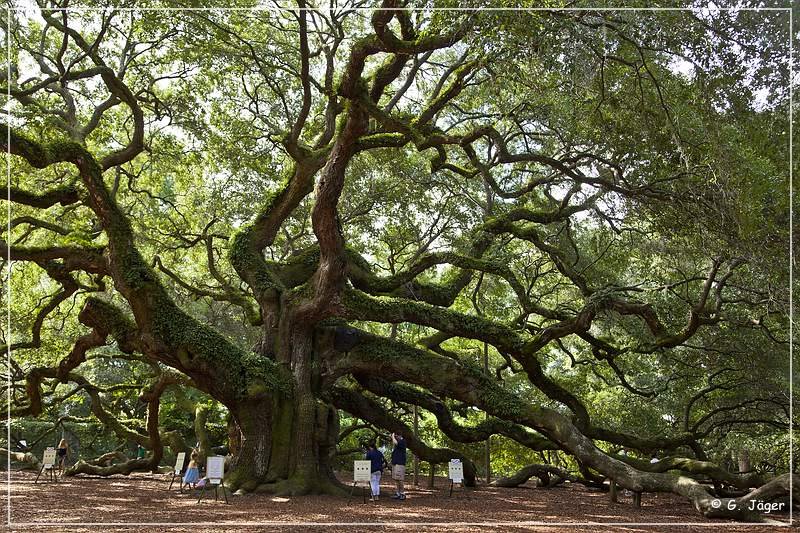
column 9, row 265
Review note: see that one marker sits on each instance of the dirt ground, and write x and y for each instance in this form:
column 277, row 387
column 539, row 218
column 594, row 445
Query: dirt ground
column 144, row 502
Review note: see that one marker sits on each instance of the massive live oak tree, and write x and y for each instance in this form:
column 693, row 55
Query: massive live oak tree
column 326, row 209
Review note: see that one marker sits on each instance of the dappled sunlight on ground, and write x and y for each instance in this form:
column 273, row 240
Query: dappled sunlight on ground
column 144, row 498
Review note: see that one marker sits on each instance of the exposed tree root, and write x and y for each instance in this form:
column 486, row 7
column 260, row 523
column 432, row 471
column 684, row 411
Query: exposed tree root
column 302, row 487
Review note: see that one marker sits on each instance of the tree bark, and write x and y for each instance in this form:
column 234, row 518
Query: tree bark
column 284, row 446
column 28, row 460
column 416, row 436
column 543, row 472
column 744, row 461
column 132, row 465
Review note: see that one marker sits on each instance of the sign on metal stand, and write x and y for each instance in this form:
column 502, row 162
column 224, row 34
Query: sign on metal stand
column 48, row 464
column 178, row 470
column 215, row 472
column 455, row 472
column 362, row 470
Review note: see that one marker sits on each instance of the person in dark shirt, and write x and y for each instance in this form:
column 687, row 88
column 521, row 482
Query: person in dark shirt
column 376, row 463
column 62, row 452
column 399, row 465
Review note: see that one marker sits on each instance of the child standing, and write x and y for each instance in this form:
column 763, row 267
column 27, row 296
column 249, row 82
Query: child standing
column 192, row 471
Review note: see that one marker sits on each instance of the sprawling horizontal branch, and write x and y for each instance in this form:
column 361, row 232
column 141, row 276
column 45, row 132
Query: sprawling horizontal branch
column 693, row 466
column 73, row 257
column 363, row 307
column 543, row 472
column 446, row 377
column 124, row 468
column 105, row 320
column 28, row 460
column 64, row 195
column 478, row 433
column 167, row 333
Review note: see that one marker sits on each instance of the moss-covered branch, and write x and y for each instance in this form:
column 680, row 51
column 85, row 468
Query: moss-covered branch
column 64, row 195
column 360, row 405
column 449, row 378
column 543, row 472
column 169, row 334
column 446, row 423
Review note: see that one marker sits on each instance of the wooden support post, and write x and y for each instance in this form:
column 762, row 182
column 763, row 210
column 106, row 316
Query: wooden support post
column 49, row 473
column 637, row 499
column 179, row 477
column 612, row 492
column 487, row 458
column 432, row 474
column 363, row 493
column 416, row 436
column 217, row 486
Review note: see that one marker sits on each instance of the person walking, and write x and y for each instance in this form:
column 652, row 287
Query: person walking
column 377, row 461
column 399, row 465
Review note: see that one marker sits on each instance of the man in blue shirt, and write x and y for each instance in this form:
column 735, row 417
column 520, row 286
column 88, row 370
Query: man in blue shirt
column 377, row 460
column 399, row 465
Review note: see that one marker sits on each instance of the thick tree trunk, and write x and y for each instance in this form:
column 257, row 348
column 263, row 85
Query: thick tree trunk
column 744, row 461
column 251, row 445
column 284, row 446
column 203, row 442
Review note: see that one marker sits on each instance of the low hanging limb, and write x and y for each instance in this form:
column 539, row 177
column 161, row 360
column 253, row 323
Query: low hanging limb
column 454, row 431
column 398, row 361
column 125, row 468
column 361, row 306
column 370, row 410
column 152, row 395
column 105, row 320
column 28, row 460
column 700, row 468
column 541, row 471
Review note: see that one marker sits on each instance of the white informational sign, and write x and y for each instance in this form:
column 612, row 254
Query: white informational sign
column 456, row 470
column 49, row 458
column 215, row 468
column 361, row 470
column 179, row 462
